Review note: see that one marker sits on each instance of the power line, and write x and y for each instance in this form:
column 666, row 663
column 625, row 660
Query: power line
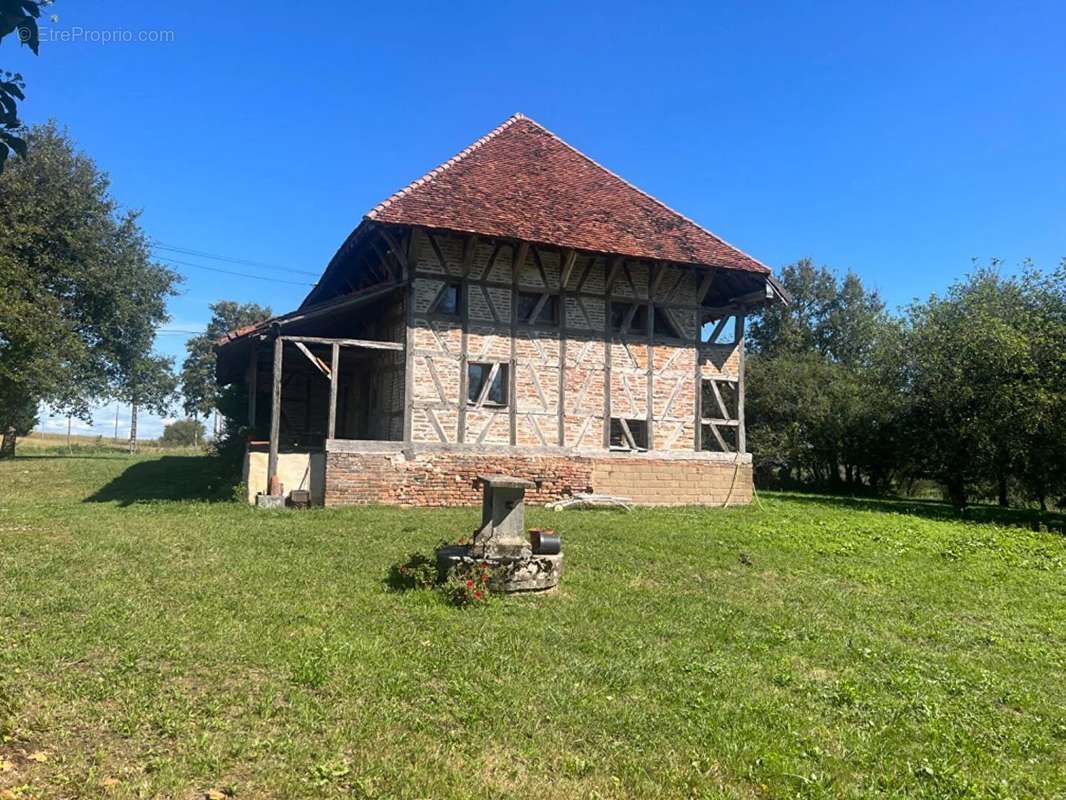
column 174, row 261
column 188, row 251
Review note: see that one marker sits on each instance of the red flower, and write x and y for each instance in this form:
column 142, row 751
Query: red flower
column 484, row 577
column 477, row 595
column 469, row 584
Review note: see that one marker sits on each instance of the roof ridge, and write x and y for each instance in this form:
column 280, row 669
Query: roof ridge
column 433, row 173
column 632, row 186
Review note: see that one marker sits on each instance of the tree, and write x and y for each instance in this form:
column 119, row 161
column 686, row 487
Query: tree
column 81, row 297
column 818, row 408
column 184, row 433
column 18, row 17
column 198, row 385
column 22, row 420
column 984, row 373
column 1041, row 466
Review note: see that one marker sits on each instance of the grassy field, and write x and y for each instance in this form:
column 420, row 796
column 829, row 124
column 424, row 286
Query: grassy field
column 38, row 443
column 153, row 644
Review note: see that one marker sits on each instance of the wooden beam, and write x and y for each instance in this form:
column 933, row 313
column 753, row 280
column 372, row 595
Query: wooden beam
column 717, row 312
column 250, row 382
column 705, row 287
column 516, row 270
column 608, row 346
column 654, row 274
column 659, row 268
column 697, row 379
column 469, row 251
column 318, row 362
column 718, row 398
column 758, row 296
column 337, row 304
column 275, row 414
column 612, row 276
column 383, row 258
column 397, row 251
column 409, row 341
column 569, row 260
column 742, row 443
column 713, row 338
column 537, row 308
column 721, row 442
column 335, row 363
column 368, row 344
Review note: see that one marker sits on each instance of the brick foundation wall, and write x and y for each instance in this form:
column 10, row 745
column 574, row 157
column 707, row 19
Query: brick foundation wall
column 674, row 483
column 449, row 478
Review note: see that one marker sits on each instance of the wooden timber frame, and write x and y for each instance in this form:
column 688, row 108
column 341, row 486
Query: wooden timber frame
column 619, row 339
column 639, row 370
column 330, row 370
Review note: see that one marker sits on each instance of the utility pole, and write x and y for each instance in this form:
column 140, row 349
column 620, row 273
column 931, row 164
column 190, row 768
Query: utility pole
column 69, row 450
column 117, row 406
column 133, row 428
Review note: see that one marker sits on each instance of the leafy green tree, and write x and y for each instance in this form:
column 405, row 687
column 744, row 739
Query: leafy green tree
column 184, row 433
column 18, row 17
column 81, row 297
column 198, row 387
column 983, row 370
column 818, row 408
column 1041, row 465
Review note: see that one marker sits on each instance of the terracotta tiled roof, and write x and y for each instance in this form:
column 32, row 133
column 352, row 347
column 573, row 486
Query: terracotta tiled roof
column 522, row 181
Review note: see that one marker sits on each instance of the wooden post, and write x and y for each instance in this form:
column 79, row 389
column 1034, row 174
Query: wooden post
column 409, row 264
column 253, row 376
column 469, row 250
column 742, row 445
column 698, row 378
column 612, row 268
column 521, row 253
column 654, row 275
column 567, row 260
column 275, row 415
column 335, row 362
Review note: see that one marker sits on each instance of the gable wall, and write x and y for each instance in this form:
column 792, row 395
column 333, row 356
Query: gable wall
column 569, row 379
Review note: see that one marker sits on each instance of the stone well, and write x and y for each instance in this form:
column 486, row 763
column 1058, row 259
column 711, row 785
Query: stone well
column 503, row 543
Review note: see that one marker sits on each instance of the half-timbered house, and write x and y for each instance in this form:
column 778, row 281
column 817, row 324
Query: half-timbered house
column 521, row 310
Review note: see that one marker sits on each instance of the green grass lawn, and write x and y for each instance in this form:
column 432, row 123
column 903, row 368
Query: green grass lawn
column 155, row 646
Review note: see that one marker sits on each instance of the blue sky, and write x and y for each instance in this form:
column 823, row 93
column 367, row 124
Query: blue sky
column 899, row 140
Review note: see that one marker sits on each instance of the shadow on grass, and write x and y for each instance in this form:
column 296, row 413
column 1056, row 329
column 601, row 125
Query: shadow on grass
column 166, row 478
column 937, row 509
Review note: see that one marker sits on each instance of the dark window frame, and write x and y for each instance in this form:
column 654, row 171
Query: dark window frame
column 503, row 375
column 638, row 432
column 551, row 305
column 443, row 293
column 639, row 325
column 662, row 318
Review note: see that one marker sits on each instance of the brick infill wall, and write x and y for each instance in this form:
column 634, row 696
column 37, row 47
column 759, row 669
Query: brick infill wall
column 449, row 478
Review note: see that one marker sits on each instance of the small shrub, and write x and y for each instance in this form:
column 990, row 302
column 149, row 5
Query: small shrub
column 419, row 571
column 468, row 585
